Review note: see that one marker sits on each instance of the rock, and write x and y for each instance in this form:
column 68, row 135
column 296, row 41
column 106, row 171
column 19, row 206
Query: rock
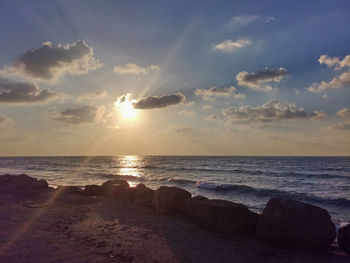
column 296, row 225
column 143, row 195
column 22, row 184
column 344, row 238
column 119, row 182
column 70, row 189
column 168, row 200
column 222, row 216
column 118, row 189
column 186, row 205
column 93, row 190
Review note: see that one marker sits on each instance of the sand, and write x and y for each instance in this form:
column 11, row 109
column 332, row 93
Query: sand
column 63, row 227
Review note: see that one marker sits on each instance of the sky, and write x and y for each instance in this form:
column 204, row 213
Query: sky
column 174, row 77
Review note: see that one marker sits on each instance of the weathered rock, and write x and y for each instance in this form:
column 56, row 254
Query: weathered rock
column 21, row 184
column 186, row 205
column 119, row 182
column 118, row 189
column 168, row 200
column 143, row 195
column 70, row 189
column 222, row 216
column 93, row 190
column 297, row 225
column 344, row 238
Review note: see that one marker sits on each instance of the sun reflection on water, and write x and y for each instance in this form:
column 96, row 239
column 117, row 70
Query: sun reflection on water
column 130, row 165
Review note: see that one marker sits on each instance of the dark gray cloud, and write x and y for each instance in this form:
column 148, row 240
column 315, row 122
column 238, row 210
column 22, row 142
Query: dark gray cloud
column 22, row 92
column 268, row 112
column 153, row 102
column 49, row 62
column 259, row 80
column 80, row 114
column 219, row 92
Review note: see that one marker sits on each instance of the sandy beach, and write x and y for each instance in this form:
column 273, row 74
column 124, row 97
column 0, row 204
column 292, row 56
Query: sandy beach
column 57, row 226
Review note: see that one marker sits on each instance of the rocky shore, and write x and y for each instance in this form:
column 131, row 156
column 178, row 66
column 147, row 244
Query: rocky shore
column 118, row 223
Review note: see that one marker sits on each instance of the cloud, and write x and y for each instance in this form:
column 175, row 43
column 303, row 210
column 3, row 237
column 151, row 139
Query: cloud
column 6, row 125
column 213, row 117
column 134, row 69
column 345, row 113
column 187, row 113
column 268, row 112
column 345, row 125
column 3, row 120
column 335, row 61
column 338, row 81
column 98, row 94
column 186, row 129
column 154, row 102
column 80, row 114
column 247, row 19
column 317, row 115
column 228, row 46
column 22, row 92
column 49, row 62
column 219, row 92
column 257, row 80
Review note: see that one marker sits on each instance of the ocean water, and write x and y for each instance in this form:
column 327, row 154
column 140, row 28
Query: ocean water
column 322, row 181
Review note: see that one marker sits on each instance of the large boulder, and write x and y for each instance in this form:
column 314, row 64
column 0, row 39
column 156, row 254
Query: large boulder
column 69, row 189
column 168, row 200
column 344, row 238
column 143, row 195
column 186, row 205
column 92, row 190
column 118, row 189
column 222, row 216
column 21, row 184
column 296, row 225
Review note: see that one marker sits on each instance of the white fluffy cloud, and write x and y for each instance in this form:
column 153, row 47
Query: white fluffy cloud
column 49, row 62
column 219, row 92
column 134, row 69
column 230, row 46
column 80, row 114
column 260, row 80
column 338, row 81
column 268, row 112
column 22, row 92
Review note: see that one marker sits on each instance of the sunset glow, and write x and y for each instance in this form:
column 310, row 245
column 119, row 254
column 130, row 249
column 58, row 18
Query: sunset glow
column 125, row 107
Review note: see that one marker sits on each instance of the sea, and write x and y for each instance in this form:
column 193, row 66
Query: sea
column 322, row 181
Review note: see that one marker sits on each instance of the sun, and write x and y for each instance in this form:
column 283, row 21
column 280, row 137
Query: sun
column 125, row 107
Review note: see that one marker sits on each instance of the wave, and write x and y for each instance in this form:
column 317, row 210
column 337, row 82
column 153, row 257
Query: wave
column 118, row 176
column 262, row 192
column 181, row 181
column 256, row 172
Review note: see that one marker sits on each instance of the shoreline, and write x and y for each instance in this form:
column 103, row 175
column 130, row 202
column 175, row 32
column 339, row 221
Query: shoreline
column 65, row 225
